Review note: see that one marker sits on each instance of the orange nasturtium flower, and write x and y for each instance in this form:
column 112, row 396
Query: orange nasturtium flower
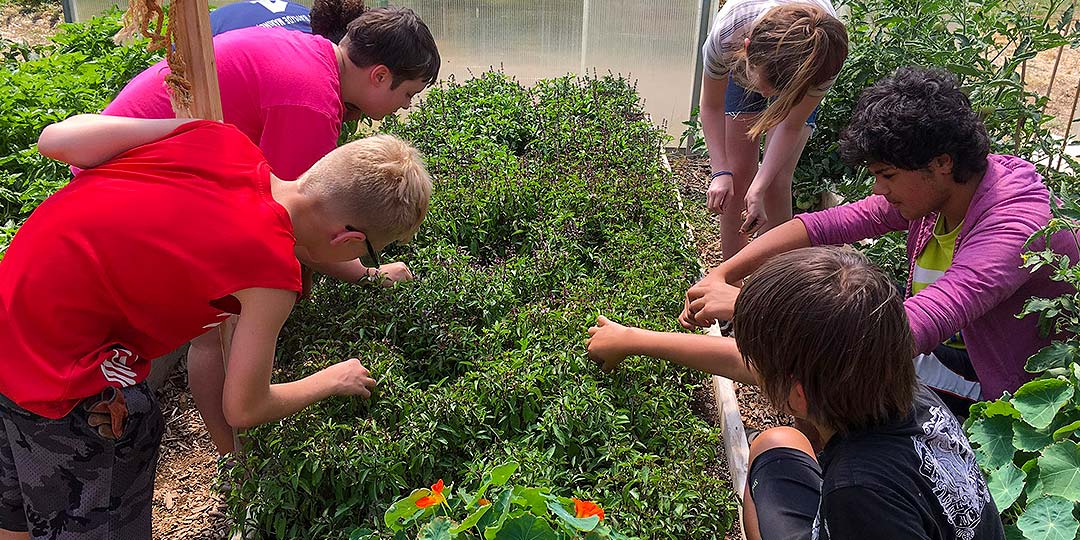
column 585, row 509
column 436, row 496
column 484, row 502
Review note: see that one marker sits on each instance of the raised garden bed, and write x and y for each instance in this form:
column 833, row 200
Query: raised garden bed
column 551, row 205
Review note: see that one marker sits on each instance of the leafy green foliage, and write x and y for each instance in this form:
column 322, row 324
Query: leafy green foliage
column 1028, row 443
column 516, row 513
column 1049, row 518
column 78, row 72
column 551, row 204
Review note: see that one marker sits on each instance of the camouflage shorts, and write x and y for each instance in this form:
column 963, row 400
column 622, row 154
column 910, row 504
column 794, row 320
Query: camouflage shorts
column 61, row 479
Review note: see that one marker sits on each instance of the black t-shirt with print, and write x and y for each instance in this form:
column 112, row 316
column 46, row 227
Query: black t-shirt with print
column 916, row 478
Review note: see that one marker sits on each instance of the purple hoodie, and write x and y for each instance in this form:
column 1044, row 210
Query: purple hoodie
column 985, row 287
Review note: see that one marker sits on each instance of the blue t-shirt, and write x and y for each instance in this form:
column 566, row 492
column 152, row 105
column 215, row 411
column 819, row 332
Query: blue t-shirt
column 265, row 13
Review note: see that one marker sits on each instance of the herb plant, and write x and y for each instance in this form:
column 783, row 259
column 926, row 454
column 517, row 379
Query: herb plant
column 1028, row 443
column 551, row 204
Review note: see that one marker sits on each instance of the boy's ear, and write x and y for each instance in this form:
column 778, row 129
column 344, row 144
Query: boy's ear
column 797, row 400
column 381, row 75
column 345, row 236
column 942, row 164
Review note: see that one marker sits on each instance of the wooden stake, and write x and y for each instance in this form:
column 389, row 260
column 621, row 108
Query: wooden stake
column 1053, row 73
column 1020, row 121
column 735, row 446
column 1068, row 127
column 1057, row 62
column 194, row 43
column 226, row 330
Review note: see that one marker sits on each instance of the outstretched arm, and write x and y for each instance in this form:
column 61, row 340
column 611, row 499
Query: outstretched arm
column 249, row 398
column 785, row 140
column 610, row 343
column 713, row 298
column 353, row 271
column 88, row 140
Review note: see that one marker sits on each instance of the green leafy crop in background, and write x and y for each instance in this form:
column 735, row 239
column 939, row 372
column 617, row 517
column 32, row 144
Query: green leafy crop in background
column 1028, row 443
column 80, row 71
column 551, row 204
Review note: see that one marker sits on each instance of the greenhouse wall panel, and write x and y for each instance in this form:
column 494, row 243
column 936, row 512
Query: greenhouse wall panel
column 654, row 42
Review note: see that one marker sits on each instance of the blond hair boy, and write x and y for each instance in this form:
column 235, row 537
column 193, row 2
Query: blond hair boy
column 172, row 226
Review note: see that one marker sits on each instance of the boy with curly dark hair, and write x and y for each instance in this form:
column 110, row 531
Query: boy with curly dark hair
column 968, row 214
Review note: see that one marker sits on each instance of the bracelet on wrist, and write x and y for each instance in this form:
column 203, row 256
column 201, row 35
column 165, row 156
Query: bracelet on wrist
column 720, row 173
column 370, row 274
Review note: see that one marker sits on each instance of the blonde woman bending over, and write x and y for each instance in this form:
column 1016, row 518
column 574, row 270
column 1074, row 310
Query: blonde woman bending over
column 768, row 63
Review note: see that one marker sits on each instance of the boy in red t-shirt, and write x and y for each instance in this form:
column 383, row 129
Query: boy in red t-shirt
column 172, row 226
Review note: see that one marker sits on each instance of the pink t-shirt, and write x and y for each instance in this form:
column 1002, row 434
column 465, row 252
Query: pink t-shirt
column 280, row 88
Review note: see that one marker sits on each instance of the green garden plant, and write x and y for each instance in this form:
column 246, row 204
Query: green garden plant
column 79, row 71
column 1028, row 443
column 513, row 513
column 551, row 203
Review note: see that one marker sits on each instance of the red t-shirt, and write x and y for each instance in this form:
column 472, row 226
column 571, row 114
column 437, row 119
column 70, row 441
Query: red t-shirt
column 134, row 258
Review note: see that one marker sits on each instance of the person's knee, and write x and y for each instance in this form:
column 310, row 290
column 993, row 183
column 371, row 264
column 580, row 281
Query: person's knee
column 12, row 535
column 780, row 437
column 206, row 347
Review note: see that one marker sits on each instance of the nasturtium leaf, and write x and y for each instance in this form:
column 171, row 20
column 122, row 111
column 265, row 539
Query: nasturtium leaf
column 470, row 521
column 1029, row 439
column 436, row 529
column 582, row 524
column 1059, row 470
column 1048, row 518
column 1033, row 489
column 1000, row 408
column 497, row 477
column 501, row 474
column 404, row 509
column 526, row 527
column 1006, row 484
column 1066, row 430
column 534, row 499
column 994, row 439
column 1040, row 400
column 502, row 509
column 1057, row 355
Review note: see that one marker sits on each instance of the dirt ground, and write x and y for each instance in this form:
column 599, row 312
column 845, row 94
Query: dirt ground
column 185, row 507
column 34, row 26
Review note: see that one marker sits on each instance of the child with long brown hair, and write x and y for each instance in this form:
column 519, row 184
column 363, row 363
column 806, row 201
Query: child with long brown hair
column 768, row 63
column 826, row 337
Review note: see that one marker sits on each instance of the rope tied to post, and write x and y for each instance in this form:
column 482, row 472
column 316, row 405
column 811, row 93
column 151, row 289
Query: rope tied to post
column 146, row 18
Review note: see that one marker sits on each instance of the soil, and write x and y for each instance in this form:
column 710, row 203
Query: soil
column 33, row 25
column 185, row 505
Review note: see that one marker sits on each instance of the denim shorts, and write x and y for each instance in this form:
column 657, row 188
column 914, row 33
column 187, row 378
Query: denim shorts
column 739, row 100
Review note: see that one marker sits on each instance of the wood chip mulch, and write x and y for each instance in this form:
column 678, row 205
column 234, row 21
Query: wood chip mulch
column 692, row 173
column 185, row 506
